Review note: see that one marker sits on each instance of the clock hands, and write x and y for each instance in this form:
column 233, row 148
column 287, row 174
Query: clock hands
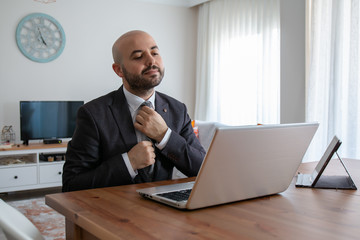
column 41, row 37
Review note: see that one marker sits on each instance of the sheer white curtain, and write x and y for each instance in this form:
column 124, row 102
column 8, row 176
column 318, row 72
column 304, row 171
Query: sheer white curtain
column 238, row 65
column 333, row 87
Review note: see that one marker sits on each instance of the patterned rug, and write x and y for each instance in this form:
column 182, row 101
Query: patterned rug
column 50, row 223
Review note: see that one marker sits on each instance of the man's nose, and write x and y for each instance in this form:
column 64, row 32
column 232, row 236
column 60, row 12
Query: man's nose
column 150, row 60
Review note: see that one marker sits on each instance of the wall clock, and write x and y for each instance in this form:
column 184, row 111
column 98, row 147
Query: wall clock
column 40, row 37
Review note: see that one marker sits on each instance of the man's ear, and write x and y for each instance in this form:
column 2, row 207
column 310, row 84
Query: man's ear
column 117, row 69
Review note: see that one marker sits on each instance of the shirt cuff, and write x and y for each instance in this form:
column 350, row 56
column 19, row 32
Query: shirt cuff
column 129, row 166
column 164, row 141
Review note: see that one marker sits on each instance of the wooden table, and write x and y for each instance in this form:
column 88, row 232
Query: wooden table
column 297, row 213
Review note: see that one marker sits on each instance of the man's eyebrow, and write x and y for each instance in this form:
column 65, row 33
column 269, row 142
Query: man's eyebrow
column 140, row 51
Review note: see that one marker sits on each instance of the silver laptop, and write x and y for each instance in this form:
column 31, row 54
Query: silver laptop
column 241, row 163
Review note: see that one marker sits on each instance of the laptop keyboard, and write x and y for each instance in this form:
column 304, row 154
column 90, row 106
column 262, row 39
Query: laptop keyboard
column 181, row 195
column 303, row 180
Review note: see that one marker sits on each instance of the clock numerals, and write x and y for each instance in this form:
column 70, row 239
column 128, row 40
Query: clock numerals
column 40, row 37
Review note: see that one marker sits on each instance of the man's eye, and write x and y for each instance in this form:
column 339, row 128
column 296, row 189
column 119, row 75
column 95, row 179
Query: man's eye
column 137, row 57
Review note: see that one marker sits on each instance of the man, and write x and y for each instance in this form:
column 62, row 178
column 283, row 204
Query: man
column 119, row 141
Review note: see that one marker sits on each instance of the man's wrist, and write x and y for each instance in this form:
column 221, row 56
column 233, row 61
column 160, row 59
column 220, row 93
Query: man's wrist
column 129, row 166
column 164, row 140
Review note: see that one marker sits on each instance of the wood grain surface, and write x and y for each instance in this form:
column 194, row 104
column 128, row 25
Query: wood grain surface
column 298, row 213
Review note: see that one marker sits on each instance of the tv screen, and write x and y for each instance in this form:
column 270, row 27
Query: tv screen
column 48, row 119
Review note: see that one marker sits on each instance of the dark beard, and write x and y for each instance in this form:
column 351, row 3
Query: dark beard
column 139, row 83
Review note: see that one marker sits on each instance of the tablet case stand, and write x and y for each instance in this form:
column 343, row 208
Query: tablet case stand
column 336, row 182
column 327, row 181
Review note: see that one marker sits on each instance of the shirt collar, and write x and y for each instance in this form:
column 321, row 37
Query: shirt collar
column 135, row 101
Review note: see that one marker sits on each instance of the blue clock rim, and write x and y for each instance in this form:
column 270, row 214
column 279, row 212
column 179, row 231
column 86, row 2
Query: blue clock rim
column 22, row 49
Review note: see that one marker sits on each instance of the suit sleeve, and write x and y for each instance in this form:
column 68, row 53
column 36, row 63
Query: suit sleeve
column 184, row 148
column 85, row 167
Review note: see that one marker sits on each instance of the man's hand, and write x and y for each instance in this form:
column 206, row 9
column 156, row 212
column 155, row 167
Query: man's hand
column 142, row 155
column 149, row 122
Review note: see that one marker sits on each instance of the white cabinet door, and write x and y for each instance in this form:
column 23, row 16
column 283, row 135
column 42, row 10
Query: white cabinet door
column 51, row 173
column 18, row 176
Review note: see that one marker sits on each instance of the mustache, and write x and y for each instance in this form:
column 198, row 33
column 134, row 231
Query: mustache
column 149, row 68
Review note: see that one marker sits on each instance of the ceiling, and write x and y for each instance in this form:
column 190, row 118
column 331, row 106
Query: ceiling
column 184, row 3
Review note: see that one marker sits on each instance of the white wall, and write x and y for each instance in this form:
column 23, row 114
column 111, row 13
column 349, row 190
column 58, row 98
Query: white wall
column 292, row 61
column 83, row 71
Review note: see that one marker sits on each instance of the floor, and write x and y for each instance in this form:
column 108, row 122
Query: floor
column 32, row 204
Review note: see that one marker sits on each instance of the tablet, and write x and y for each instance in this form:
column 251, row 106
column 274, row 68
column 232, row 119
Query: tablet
column 317, row 180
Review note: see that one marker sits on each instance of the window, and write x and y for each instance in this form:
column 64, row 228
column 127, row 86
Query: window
column 238, row 71
column 333, row 87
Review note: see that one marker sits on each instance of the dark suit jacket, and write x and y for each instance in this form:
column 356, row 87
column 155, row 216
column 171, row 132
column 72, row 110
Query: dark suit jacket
column 104, row 131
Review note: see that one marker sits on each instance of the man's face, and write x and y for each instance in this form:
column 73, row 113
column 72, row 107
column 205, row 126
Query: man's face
column 141, row 66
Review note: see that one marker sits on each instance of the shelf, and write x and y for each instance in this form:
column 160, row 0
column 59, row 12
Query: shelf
column 20, row 159
column 35, row 146
column 52, row 157
column 28, row 167
column 50, row 163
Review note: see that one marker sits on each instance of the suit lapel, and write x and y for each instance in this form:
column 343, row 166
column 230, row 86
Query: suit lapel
column 162, row 108
column 122, row 116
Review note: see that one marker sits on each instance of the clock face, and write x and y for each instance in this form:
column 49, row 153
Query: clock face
column 40, row 37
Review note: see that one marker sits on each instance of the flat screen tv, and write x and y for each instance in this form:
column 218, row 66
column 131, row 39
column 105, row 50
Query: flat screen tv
column 47, row 120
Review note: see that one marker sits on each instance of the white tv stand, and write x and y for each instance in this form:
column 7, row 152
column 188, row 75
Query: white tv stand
column 22, row 167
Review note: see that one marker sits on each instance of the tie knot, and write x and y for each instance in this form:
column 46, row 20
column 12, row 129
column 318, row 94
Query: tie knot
column 147, row 103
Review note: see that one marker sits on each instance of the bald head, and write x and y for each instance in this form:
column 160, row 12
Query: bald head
column 138, row 62
column 123, row 42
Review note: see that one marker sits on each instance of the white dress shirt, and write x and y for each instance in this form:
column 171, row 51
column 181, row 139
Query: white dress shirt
column 134, row 103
